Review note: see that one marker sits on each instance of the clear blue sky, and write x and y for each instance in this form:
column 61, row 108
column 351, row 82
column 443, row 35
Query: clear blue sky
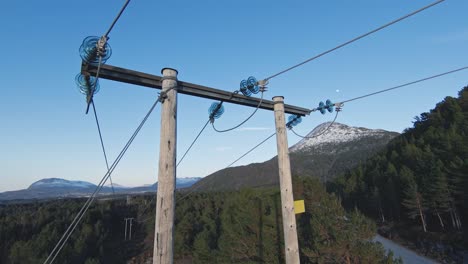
column 45, row 132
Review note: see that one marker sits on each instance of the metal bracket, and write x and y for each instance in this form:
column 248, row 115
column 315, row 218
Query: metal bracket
column 339, row 107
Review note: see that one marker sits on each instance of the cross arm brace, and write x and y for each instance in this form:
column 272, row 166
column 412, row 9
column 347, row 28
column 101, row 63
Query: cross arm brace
column 118, row 74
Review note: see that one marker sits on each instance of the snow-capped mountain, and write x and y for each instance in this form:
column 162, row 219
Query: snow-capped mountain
column 60, row 183
column 328, row 150
column 336, row 133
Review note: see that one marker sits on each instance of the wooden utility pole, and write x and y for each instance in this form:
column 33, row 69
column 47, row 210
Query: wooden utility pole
column 287, row 201
column 165, row 202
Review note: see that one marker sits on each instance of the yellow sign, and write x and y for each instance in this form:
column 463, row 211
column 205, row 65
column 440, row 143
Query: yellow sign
column 299, row 207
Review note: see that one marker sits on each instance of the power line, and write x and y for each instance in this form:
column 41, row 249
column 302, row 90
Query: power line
column 252, row 149
column 116, row 18
column 99, row 50
column 243, row 122
column 178, row 163
column 403, row 85
column 102, row 143
column 355, row 39
column 193, row 142
column 93, row 86
column 336, row 116
column 58, row 247
column 243, row 155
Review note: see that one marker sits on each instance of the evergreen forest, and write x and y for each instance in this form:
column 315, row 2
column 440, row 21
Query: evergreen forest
column 417, row 188
column 221, row 227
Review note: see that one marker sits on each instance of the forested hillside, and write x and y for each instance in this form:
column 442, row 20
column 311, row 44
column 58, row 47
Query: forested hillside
column 420, row 182
column 230, row 227
column 329, row 150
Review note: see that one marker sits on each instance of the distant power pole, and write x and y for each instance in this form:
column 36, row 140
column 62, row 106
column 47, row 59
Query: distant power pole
column 165, row 204
column 125, row 228
column 130, row 222
column 287, row 201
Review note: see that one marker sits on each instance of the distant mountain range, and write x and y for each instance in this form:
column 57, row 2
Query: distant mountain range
column 61, row 188
column 327, row 151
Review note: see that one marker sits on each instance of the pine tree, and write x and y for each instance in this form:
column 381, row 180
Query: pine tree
column 413, row 200
column 438, row 195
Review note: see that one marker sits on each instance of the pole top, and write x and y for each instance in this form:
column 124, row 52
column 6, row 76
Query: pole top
column 278, row 99
column 170, row 69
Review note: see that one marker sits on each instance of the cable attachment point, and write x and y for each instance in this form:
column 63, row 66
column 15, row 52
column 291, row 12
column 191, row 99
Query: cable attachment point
column 87, row 85
column 95, row 49
column 101, row 46
column 162, row 97
column 249, row 86
column 233, row 93
column 263, row 85
column 216, row 110
column 293, row 120
column 163, row 94
column 339, row 107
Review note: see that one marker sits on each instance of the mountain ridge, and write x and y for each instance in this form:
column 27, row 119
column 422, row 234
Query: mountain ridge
column 324, row 156
column 48, row 188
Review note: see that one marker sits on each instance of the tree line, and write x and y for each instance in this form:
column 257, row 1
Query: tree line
column 421, row 178
column 221, row 227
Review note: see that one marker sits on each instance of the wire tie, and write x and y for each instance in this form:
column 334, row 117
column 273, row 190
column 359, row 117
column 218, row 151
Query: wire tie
column 339, row 107
column 162, row 97
column 233, row 93
column 168, row 78
column 101, row 46
column 263, row 83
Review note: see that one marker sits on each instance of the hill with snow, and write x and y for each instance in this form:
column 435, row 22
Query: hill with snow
column 60, row 188
column 325, row 152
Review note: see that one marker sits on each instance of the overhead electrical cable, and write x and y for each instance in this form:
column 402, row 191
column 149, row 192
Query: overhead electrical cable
column 340, row 104
column 178, row 163
column 252, row 149
column 406, row 84
column 193, row 142
column 58, row 247
column 355, row 39
column 102, row 144
column 116, row 18
column 99, row 48
column 243, row 122
column 193, row 189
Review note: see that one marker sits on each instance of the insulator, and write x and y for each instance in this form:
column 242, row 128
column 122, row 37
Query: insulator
column 244, row 88
column 252, row 85
column 297, row 121
column 216, row 110
column 87, row 83
column 294, row 120
column 330, row 106
column 321, row 108
column 89, row 50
